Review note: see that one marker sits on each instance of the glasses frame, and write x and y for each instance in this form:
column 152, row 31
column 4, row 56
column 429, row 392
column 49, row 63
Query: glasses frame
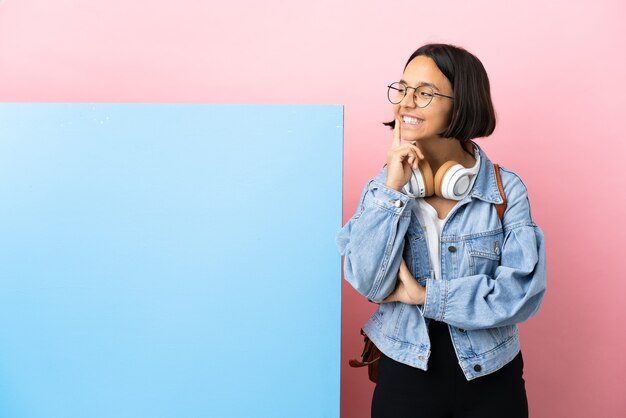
column 433, row 93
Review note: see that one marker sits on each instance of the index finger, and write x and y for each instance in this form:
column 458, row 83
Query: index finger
column 396, row 142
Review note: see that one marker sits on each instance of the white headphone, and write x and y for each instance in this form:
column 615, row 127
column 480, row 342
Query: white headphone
column 452, row 180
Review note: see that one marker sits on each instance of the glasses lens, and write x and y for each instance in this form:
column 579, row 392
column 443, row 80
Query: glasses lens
column 423, row 96
column 396, row 93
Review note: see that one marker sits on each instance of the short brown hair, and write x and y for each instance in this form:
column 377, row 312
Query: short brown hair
column 473, row 115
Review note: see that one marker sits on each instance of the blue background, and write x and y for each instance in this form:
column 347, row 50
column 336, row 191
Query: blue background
column 161, row 260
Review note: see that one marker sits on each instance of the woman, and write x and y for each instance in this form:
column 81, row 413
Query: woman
column 452, row 278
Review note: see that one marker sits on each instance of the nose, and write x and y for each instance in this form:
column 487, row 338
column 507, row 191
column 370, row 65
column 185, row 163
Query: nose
column 409, row 98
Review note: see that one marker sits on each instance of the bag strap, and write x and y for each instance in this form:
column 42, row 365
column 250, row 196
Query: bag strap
column 370, row 353
column 501, row 207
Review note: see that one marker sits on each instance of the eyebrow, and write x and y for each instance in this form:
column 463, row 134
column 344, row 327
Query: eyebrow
column 423, row 83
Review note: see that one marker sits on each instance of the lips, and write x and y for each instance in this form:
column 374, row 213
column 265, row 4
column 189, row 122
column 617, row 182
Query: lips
column 411, row 120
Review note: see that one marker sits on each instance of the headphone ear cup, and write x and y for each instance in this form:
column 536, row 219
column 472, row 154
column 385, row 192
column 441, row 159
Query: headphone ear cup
column 443, row 177
column 420, row 183
column 427, row 174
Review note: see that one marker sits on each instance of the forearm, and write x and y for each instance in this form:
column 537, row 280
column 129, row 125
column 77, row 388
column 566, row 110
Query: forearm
column 372, row 241
column 481, row 301
column 408, row 290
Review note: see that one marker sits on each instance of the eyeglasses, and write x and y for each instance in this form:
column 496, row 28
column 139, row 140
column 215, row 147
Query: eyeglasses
column 422, row 95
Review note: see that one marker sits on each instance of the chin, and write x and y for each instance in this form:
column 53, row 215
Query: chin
column 412, row 138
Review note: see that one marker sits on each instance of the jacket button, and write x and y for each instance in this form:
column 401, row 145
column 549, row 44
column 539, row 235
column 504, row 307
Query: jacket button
column 461, row 330
column 397, row 203
column 421, row 357
column 452, row 248
column 477, row 368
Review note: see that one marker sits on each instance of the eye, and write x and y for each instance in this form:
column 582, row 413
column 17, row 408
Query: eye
column 399, row 86
column 425, row 94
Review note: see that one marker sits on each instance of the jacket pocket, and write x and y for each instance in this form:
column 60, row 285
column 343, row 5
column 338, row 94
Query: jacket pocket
column 484, row 340
column 384, row 315
column 390, row 317
column 484, row 254
column 502, row 334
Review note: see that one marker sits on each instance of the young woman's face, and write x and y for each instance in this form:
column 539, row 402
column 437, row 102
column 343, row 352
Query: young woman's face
column 427, row 122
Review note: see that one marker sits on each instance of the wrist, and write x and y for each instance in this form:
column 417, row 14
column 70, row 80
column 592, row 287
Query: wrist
column 422, row 299
column 393, row 186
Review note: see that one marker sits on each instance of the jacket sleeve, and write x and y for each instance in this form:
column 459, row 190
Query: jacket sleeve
column 516, row 291
column 372, row 240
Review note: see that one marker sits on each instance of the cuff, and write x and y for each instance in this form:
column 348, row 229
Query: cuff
column 436, row 299
column 388, row 198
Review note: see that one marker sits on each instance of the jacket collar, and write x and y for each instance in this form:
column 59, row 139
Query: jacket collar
column 485, row 186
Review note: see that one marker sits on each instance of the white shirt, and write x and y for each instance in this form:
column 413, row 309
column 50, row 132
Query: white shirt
column 432, row 226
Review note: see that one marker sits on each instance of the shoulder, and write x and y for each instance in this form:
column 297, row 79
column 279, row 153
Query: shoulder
column 512, row 182
column 518, row 204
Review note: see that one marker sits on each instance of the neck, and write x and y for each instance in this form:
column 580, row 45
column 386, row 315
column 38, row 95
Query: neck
column 439, row 150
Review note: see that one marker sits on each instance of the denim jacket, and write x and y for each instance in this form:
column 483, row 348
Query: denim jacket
column 493, row 273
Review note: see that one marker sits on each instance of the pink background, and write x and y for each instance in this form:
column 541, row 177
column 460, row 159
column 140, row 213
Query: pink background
column 558, row 73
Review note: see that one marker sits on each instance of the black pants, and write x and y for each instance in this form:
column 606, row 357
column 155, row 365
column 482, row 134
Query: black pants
column 403, row 391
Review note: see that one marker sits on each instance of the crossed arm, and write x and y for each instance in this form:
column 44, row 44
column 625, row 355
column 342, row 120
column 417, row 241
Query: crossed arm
column 407, row 290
